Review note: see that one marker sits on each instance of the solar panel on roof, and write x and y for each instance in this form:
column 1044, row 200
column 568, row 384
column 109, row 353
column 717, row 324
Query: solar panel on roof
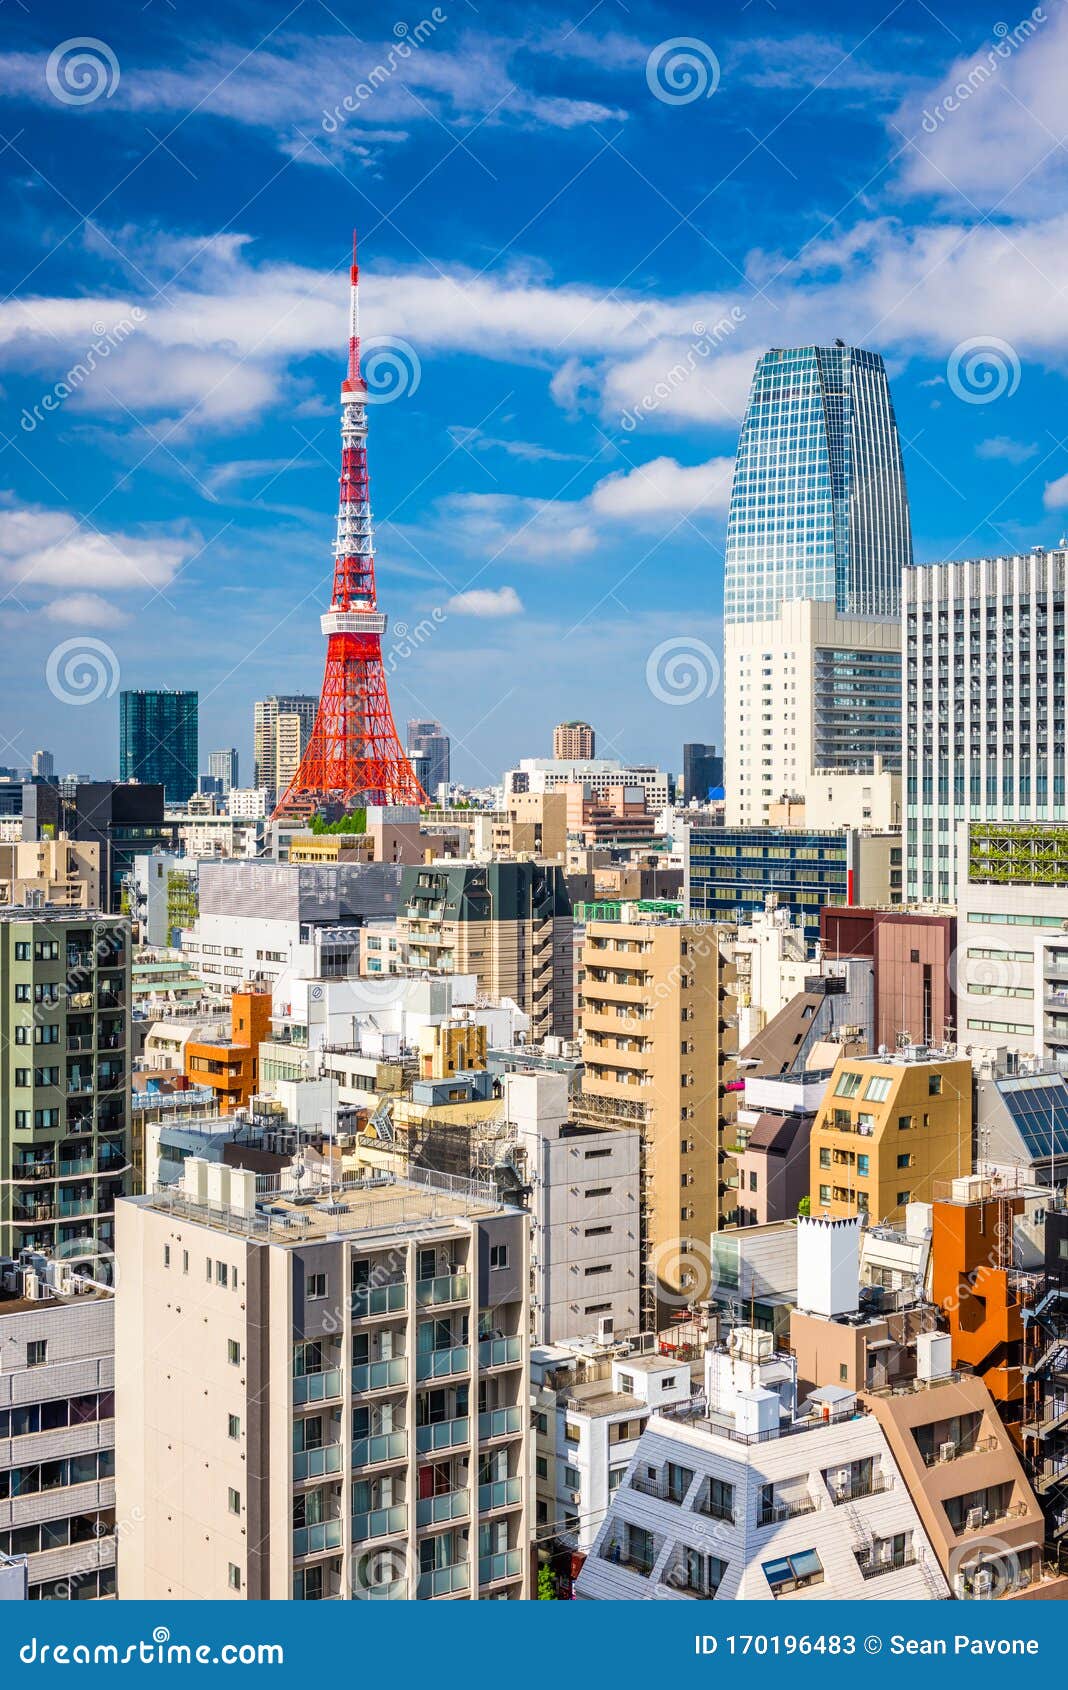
column 1038, row 1107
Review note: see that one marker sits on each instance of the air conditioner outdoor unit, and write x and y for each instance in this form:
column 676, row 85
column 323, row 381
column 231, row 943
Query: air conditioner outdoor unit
column 947, row 1451
column 974, row 1520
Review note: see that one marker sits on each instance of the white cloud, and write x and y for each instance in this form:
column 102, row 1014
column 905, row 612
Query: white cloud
column 85, row 610
column 665, row 488
column 1012, row 451
column 1055, row 497
column 49, row 548
column 487, row 602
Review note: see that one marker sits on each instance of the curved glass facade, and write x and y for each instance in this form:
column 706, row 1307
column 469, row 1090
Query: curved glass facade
column 818, row 507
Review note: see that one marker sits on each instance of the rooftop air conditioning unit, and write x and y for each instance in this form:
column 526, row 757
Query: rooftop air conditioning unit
column 974, row 1520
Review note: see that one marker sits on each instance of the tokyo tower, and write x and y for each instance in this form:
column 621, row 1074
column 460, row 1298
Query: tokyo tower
column 354, row 756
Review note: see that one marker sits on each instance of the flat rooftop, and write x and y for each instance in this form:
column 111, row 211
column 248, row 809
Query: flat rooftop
column 420, row 1202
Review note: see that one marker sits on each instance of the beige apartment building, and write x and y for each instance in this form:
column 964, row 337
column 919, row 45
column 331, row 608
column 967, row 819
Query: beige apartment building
column 322, row 1395
column 533, row 824
column 658, row 1042
column 574, row 740
column 509, row 923
column 64, row 873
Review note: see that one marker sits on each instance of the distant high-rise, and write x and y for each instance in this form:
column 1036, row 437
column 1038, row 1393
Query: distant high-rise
column 158, row 741
column 574, row 741
column 702, row 771
column 818, row 507
column 43, row 765
column 222, row 766
column 818, row 537
column 429, row 740
column 266, row 712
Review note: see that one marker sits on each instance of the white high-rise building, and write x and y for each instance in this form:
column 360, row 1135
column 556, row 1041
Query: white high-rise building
column 984, row 705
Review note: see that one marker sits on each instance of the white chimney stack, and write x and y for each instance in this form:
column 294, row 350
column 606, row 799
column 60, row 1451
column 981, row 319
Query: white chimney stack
column 828, row 1266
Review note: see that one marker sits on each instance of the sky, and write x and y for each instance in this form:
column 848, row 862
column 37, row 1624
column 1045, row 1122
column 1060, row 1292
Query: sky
column 578, row 229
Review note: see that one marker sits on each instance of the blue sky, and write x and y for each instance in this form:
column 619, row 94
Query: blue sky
column 544, row 239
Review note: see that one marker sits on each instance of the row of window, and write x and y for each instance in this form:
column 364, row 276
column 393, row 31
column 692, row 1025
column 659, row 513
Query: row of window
column 38, row 1476
column 28, row 1418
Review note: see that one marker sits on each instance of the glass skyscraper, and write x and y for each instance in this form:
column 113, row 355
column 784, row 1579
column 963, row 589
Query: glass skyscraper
column 818, row 507
column 158, row 741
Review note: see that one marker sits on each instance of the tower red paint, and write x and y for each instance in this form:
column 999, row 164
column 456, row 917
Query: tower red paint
column 354, row 756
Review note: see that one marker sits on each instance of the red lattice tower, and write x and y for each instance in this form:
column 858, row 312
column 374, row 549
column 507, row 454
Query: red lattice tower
column 354, row 756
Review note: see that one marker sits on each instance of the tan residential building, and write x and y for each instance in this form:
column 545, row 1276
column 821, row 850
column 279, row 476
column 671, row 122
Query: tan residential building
column 534, row 824
column 658, row 1041
column 64, row 873
column 266, row 714
column 508, row 923
column 573, row 740
column 888, row 1129
column 322, row 1395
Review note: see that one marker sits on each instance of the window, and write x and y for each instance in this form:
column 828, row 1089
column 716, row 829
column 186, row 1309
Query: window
column 904, row 1123
column 220, row 1273
column 602, row 1267
column 498, row 1256
column 825, row 1194
column 903, row 1197
column 598, row 1191
column 877, row 1089
column 316, row 1286
column 233, row 1352
column 572, row 1433
column 22, row 951
column 541, row 1467
column 36, row 1352
column 22, row 1076
column 166, row 1255
column 825, row 1157
column 233, row 1500
column 595, row 1155
column 571, row 1478
column 234, row 1577
column 934, row 1085
column 848, row 1084
column 904, row 1161
column 793, row 1572
column 863, row 1166
column 233, row 1425
column 597, row 1231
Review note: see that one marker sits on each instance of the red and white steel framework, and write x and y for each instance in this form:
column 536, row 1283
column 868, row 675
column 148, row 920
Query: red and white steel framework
column 354, row 756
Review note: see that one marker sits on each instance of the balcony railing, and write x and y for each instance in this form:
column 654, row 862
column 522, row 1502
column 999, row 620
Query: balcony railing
column 445, row 1288
column 936, row 1458
column 776, row 1512
column 444, row 1581
column 317, row 1387
column 666, row 1490
column 715, row 1510
column 379, row 1447
column 893, row 1563
column 316, row 1463
column 439, row 1364
column 499, row 1493
column 500, row 1422
column 396, row 1591
column 379, row 1299
column 379, row 1522
column 312, row 1540
column 506, row 1564
column 499, row 1352
column 860, row 1487
column 380, row 1375
column 443, row 1434
column 436, row 1510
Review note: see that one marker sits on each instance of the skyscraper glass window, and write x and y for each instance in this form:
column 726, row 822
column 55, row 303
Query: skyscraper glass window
column 158, row 741
column 818, row 507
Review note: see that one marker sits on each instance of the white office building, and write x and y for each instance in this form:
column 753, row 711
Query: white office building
column 600, row 774
column 984, row 705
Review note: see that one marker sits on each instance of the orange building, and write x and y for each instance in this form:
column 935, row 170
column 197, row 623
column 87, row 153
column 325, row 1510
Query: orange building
column 977, row 1288
column 231, row 1066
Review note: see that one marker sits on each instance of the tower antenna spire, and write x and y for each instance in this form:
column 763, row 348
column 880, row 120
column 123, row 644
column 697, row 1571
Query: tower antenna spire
column 354, row 756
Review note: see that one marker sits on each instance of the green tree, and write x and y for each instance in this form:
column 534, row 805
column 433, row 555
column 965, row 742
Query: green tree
column 805, row 1206
column 546, row 1585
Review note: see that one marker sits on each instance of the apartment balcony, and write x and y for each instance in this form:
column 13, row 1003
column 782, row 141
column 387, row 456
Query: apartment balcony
column 66, row 1500
column 950, row 1451
column 499, row 1423
column 499, row 1493
column 79, row 1041
column 444, row 1581
column 499, row 1352
column 715, row 1510
column 315, row 1540
column 445, row 1288
column 870, row 1569
column 442, row 1510
column 495, row 1569
column 379, row 1522
column 379, row 1449
column 75, row 1558
column 977, row 1519
column 30, row 1171
column 316, row 1463
column 443, row 1364
column 78, row 1165
column 777, row 1512
column 862, row 1488
column 370, row 1376
column 443, row 1434
column 375, row 1301
column 395, row 1591
column 77, row 1086
column 317, row 1387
